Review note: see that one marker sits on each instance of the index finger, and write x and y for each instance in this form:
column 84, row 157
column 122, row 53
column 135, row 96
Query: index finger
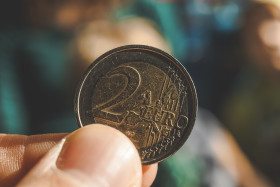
column 19, row 153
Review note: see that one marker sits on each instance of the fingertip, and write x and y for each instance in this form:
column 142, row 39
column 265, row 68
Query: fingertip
column 149, row 174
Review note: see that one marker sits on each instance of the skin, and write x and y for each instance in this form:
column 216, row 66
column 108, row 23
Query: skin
column 96, row 155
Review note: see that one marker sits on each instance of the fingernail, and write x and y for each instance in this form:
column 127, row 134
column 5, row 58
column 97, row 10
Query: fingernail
column 103, row 155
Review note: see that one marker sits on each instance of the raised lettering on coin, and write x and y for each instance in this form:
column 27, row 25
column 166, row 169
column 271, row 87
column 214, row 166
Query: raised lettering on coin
column 143, row 92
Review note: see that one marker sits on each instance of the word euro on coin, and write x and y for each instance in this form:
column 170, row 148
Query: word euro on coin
column 143, row 92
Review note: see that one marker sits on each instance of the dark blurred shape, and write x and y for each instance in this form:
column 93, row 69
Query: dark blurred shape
column 252, row 109
column 66, row 14
column 11, row 13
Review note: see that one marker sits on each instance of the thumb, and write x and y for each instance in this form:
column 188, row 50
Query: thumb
column 95, row 155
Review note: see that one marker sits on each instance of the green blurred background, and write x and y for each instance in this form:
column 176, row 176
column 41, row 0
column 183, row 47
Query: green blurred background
column 231, row 48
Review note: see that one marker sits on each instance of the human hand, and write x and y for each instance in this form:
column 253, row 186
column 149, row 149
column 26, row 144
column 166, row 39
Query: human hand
column 95, row 155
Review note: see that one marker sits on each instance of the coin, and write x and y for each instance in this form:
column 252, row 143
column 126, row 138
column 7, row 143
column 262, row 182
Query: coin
column 143, row 92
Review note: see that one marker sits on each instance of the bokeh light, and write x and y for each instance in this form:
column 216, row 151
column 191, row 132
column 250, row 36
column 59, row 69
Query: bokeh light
column 231, row 48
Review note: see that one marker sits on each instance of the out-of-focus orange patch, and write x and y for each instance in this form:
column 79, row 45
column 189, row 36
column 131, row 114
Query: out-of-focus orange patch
column 145, row 168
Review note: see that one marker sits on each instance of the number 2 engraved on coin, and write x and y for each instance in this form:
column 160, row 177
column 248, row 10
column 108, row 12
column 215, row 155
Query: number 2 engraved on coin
column 132, row 82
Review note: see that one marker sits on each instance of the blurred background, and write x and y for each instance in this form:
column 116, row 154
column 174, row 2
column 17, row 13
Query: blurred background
column 231, row 48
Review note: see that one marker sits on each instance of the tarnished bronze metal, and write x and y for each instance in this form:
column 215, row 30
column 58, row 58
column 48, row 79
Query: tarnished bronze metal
column 143, row 92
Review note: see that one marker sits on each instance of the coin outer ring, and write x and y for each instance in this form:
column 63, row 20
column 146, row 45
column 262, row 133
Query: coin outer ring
column 149, row 49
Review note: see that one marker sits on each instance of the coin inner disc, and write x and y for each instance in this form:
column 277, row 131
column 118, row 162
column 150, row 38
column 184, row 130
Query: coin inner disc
column 140, row 100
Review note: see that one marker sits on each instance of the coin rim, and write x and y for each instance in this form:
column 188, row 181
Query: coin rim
column 159, row 52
